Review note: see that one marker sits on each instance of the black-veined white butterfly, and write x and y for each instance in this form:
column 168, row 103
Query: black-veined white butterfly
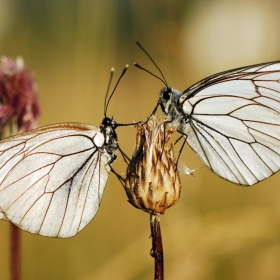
column 52, row 178
column 231, row 120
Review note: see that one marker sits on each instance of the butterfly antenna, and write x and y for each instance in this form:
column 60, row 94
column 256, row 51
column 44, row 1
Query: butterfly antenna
column 108, row 88
column 138, row 66
column 107, row 103
column 142, row 68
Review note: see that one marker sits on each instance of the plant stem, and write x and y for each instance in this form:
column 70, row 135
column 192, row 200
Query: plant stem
column 15, row 252
column 157, row 249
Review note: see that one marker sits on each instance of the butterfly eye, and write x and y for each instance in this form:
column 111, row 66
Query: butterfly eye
column 165, row 94
column 106, row 122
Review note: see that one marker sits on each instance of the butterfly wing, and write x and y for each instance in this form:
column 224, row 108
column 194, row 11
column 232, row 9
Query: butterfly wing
column 232, row 122
column 52, row 179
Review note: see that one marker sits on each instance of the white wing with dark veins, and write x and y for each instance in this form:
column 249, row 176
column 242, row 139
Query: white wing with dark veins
column 52, row 179
column 232, row 122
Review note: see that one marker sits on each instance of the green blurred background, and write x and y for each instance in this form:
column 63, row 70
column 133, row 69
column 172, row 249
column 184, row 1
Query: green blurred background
column 217, row 230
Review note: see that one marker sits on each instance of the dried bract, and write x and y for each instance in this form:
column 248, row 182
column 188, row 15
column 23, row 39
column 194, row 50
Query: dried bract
column 152, row 180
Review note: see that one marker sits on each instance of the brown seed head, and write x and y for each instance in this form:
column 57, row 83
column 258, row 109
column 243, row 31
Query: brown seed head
column 152, row 180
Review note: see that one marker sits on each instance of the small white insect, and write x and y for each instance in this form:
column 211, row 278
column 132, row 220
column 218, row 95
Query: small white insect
column 52, row 178
column 183, row 169
column 231, row 120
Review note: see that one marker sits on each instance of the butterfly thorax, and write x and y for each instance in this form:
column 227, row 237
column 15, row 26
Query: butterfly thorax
column 107, row 127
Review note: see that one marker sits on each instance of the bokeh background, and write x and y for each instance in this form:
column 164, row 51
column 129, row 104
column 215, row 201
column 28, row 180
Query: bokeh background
column 217, row 230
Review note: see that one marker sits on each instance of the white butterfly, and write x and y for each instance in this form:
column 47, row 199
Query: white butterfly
column 231, row 120
column 52, row 178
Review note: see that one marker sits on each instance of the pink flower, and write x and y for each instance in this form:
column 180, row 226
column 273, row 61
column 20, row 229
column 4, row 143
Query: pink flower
column 18, row 96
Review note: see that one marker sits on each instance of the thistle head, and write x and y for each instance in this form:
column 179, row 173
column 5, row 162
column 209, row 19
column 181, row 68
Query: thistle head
column 152, row 179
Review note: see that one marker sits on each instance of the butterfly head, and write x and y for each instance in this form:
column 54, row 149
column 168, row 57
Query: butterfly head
column 108, row 127
column 165, row 94
column 109, row 122
column 165, row 99
column 168, row 102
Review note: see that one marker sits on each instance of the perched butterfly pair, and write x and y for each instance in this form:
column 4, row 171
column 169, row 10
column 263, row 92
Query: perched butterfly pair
column 52, row 178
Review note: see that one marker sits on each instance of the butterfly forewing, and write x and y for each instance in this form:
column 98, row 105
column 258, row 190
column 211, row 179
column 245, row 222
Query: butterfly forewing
column 241, row 73
column 232, row 121
column 52, row 179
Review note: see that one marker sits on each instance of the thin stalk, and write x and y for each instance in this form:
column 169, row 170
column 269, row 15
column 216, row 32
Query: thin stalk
column 15, row 252
column 157, row 249
column 14, row 243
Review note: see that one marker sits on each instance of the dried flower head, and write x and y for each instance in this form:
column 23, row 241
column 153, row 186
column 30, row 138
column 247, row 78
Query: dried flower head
column 152, row 179
column 18, row 96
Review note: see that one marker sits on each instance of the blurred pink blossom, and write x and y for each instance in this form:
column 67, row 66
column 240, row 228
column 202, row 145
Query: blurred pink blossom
column 18, row 96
